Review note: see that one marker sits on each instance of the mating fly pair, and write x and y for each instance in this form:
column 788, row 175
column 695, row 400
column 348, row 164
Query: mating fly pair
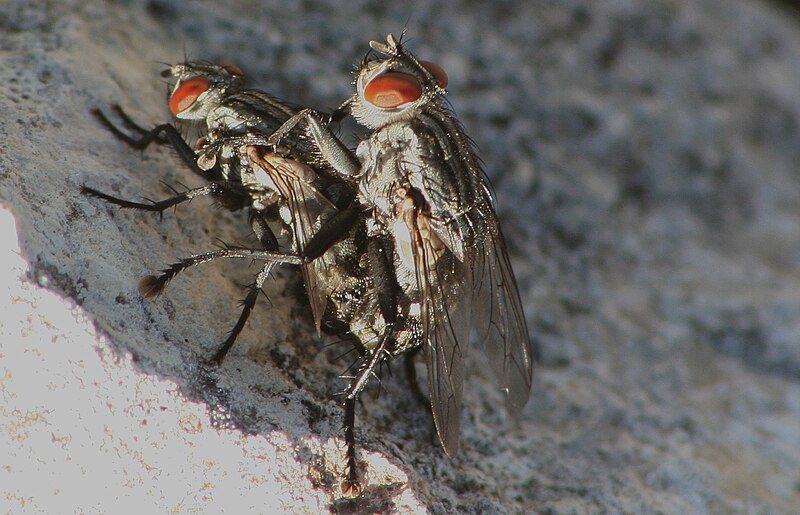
column 291, row 190
column 436, row 264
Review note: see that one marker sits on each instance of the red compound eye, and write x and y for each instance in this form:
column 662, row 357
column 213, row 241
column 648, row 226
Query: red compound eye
column 392, row 89
column 437, row 72
column 187, row 93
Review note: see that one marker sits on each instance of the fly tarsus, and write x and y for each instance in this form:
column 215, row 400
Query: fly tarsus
column 152, row 285
column 372, row 362
column 142, row 142
column 351, row 487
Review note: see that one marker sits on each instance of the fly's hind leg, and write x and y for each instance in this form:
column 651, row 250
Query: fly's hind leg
column 270, row 243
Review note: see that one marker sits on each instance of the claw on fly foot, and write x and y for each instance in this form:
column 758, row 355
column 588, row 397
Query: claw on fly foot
column 150, row 286
column 351, row 488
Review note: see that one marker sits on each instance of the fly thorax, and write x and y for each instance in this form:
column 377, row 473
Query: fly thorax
column 383, row 158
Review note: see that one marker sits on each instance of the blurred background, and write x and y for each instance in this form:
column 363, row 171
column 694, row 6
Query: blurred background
column 645, row 158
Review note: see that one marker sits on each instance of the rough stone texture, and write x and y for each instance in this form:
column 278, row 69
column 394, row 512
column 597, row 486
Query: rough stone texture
column 645, row 158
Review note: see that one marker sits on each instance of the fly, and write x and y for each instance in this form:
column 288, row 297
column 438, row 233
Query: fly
column 429, row 198
column 349, row 278
column 215, row 96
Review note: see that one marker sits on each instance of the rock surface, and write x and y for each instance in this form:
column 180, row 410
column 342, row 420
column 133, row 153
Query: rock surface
column 645, row 159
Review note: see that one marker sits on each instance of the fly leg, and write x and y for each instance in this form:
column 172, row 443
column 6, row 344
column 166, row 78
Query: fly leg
column 247, row 307
column 332, row 230
column 165, row 133
column 379, row 256
column 223, row 192
column 269, row 243
column 262, row 231
column 351, row 487
column 152, row 285
column 128, row 121
column 336, row 153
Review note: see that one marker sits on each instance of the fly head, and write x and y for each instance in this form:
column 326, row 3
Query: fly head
column 395, row 87
column 200, row 87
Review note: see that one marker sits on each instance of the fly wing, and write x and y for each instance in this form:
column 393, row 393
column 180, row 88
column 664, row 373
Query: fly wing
column 498, row 315
column 444, row 299
column 307, row 208
column 496, row 307
column 473, row 236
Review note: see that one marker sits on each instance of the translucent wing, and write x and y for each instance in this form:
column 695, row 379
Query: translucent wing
column 471, row 284
column 498, row 315
column 307, row 208
column 496, row 307
column 444, row 308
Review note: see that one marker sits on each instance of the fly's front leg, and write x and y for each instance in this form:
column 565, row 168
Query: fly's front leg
column 165, row 133
column 332, row 150
column 343, row 110
column 128, row 121
column 145, row 137
column 221, row 191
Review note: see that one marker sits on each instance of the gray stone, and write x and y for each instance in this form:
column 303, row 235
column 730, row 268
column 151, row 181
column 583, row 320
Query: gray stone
column 645, row 159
